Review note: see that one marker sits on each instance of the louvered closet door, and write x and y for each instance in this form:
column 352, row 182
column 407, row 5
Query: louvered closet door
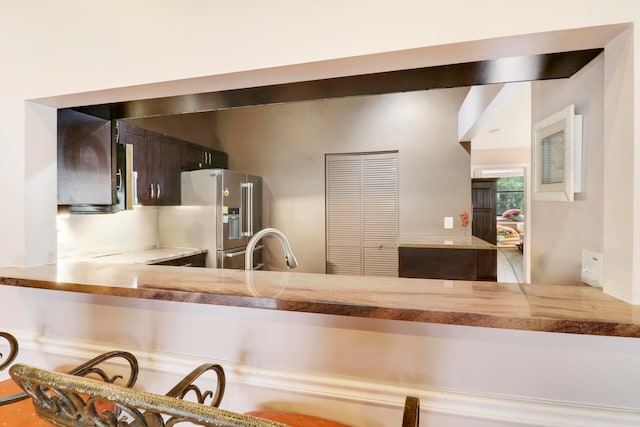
column 362, row 214
column 380, row 214
column 344, row 218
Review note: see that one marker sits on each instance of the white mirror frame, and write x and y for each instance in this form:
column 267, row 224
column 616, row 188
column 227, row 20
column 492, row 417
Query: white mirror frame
column 553, row 156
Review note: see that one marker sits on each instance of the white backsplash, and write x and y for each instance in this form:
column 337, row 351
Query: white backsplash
column 88, row 234
column 188, row 227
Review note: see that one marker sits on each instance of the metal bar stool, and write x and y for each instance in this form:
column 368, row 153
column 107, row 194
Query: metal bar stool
column 71, row 401
column 16, row 410
column 410, row 418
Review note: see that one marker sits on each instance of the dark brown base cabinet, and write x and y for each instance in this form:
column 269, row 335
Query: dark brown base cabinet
column 445, row 263
column 186, row 261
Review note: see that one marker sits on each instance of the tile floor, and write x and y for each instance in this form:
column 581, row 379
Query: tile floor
column 509, row 265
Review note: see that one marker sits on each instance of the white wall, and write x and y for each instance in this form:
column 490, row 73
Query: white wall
column 350, row 369
column 197, row 127
column 561, row 230
column 131, row 230
column 286, row 145
column 621, row 240
column 55, row 49
column 39, row 247
column 505, row 136
column 500, row 157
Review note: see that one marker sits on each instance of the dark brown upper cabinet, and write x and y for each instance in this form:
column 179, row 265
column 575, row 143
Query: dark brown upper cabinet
column 92, row 155
column 86, row 159
column 156, row 159
column 196, row 156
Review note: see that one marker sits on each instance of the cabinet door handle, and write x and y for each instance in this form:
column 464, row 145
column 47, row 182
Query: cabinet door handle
column 151, row 192
column 210, row 160
column 204, row 157
column 158, row 191
column 119, row 180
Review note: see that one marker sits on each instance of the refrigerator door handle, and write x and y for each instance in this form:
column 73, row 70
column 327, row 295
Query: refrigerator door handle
column 234, row 254
column 249, row 208
column 238, row 253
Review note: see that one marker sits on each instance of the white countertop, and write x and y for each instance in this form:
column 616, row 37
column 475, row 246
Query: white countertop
column 444, row 242
column 142, row 256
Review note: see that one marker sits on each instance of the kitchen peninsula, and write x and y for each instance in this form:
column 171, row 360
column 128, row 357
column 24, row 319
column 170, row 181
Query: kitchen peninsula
column 549, row 308
column 448, row 257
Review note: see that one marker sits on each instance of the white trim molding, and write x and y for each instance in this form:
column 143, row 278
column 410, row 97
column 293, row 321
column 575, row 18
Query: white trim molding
column 449, row 407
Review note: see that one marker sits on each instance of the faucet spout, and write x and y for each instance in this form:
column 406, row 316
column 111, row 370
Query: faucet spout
column 289, row 258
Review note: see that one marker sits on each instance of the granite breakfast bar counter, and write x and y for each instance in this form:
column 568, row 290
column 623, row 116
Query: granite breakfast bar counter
column 548, row 308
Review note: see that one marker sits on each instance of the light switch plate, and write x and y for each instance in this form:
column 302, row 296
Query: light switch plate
column 448, row 222
column 592, row 268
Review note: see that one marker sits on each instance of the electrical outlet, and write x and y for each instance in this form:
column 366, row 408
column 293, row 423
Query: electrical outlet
column 592, row 268
column 448, row 222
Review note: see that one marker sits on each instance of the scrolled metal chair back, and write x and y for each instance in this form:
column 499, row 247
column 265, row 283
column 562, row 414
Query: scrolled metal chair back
column 13, row 350
column 187, row 385
column 71, row 401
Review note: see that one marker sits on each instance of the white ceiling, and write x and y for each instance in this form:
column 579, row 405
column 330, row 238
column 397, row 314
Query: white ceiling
column 510, row 127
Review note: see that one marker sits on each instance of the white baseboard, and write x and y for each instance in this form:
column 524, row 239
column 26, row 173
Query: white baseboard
column 473, row 408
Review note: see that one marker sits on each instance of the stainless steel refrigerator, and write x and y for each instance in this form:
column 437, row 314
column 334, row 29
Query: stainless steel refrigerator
column 236, row 214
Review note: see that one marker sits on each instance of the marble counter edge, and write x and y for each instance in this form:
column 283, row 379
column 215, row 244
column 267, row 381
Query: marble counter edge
column 142, row 256
column 446, row 242
column 442, row 315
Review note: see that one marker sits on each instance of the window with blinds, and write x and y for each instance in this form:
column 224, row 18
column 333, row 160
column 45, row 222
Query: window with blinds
column 362, row 214
column 557, row 156
column 552, row 159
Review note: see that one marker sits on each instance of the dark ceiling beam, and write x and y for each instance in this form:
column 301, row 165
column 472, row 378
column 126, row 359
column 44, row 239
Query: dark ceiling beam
column 502, row 70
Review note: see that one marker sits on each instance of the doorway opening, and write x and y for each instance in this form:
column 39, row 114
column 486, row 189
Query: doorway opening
column 510, row 208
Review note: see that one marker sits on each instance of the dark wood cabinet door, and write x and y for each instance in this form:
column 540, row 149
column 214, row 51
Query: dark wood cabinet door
column 165, row 161
column 219, row 159
column 191, row 155
column 156, row 159
column 451, row 264
column 483, row 198
column 86, row 159
column 194, row 156
column 136, row 136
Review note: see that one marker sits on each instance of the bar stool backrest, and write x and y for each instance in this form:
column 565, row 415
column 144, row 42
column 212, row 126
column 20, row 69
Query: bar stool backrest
column 68, row 400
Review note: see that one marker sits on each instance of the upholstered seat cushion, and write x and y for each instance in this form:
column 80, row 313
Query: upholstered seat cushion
column 295, row 419
column 19, row 414
column 23, row 414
